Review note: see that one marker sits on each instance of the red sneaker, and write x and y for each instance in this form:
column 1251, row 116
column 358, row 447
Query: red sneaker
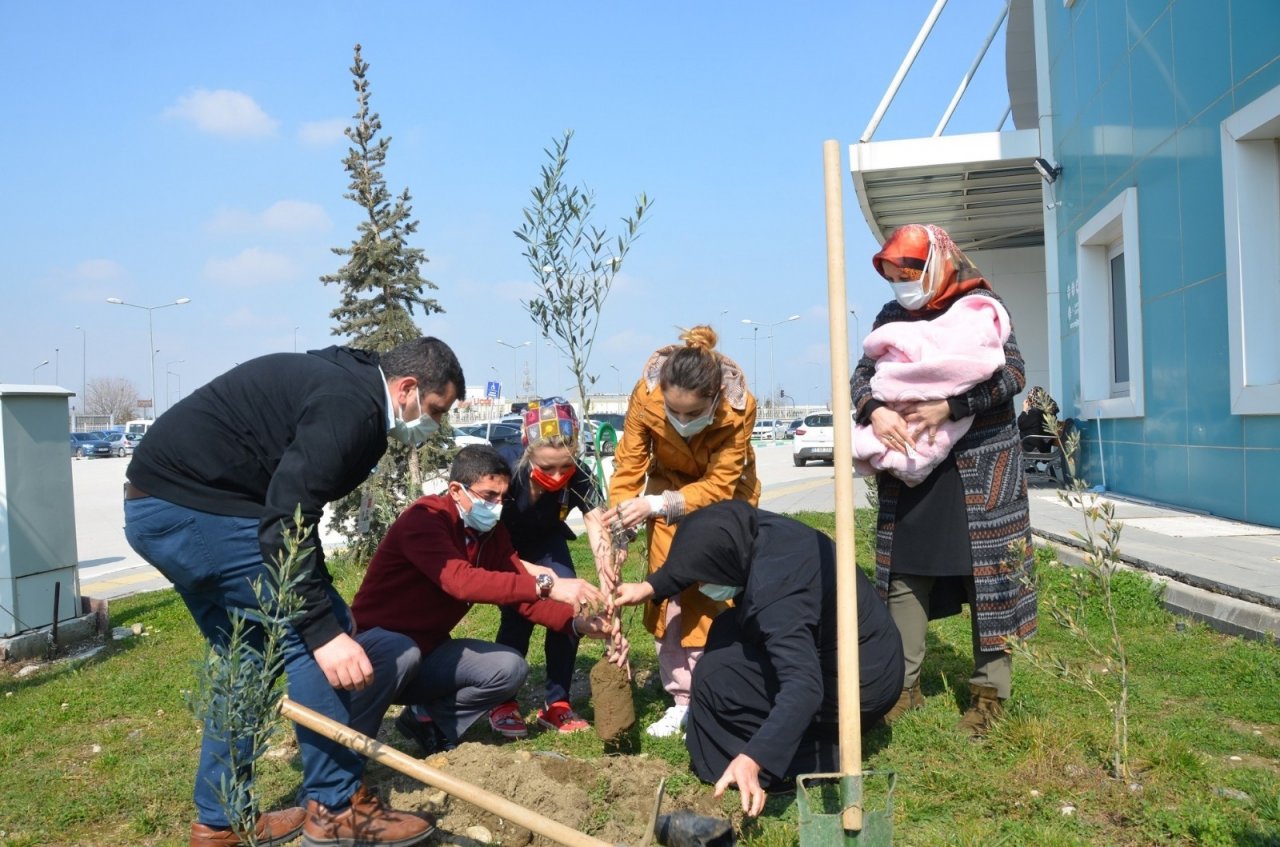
column 507, row 721
column 560, row 717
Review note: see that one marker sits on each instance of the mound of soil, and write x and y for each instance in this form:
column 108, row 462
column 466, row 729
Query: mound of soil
column 610, row 798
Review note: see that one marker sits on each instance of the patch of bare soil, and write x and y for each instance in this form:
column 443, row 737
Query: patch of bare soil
column 610, row 798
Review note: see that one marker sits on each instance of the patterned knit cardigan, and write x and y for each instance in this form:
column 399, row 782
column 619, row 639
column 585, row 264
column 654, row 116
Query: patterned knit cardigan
column 989, row 458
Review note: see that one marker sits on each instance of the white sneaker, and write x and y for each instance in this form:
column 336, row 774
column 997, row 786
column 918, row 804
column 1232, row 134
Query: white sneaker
column 671, row 722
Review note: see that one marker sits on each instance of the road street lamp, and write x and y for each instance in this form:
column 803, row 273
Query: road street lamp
column 295, row 340
column 168, row 373
column 57, row 367
column 36, row 368
column 84, row 368
column 770, row 327
column 151, row 336
column 515, row 368
column 755, row 359
column 619, row 373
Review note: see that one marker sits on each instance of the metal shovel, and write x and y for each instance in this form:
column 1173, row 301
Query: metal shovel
column 832, row 805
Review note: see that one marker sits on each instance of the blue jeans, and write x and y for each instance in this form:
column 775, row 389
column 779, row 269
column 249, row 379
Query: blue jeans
column 561, row 650
column 211, row 561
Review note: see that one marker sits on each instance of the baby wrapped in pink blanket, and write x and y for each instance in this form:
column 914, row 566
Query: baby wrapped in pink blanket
column 930, row 360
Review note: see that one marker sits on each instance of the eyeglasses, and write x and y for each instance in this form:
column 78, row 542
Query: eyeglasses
column 493, row 498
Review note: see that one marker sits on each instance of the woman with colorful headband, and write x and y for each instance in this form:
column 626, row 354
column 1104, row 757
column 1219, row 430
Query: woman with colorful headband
column 686, row 444
column 952, row 538
column 546, row 484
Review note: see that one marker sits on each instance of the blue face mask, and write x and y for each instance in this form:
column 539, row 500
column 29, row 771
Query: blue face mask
column 688, row 429
column 719, row 593
column 416, row 431
column 482, row 516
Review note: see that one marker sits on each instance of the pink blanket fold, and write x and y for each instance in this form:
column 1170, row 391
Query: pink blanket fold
column 930, row 360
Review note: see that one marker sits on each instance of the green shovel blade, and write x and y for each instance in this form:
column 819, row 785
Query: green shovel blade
column 823, row 797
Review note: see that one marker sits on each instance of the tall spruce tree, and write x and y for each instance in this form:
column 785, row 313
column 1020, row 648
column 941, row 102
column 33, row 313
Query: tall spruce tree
column 382, row 286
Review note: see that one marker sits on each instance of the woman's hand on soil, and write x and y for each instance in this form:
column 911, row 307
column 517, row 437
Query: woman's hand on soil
column 744, row 772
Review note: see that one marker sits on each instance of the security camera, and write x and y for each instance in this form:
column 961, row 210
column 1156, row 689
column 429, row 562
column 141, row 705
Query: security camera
column 1048, row 171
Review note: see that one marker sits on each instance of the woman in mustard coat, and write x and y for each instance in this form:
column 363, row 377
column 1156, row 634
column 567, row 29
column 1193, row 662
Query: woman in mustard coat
column 686, row 444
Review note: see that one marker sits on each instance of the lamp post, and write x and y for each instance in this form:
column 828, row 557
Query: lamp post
column 770, row 327
column 168, row 373
column 57, row 367
column 36, row 368
column 295, row 343
column 84, row 368
column 755, row 359
column 151, row 337
column 515, row 368
column 619, row 373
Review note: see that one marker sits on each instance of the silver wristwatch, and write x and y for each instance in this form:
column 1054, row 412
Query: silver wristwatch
column 544, row 582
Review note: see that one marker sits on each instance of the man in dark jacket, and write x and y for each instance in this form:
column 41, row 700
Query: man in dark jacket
column 764, row 693
column 212, row 489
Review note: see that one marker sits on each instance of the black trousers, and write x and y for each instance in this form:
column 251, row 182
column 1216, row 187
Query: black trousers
column 734, row 688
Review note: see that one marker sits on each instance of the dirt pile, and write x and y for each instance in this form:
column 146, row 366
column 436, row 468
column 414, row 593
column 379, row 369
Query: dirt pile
column 610, row 798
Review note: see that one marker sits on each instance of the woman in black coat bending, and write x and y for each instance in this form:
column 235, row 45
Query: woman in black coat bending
column 764, row 693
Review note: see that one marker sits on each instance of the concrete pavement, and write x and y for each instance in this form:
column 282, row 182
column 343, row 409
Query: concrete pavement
column 1225, row 572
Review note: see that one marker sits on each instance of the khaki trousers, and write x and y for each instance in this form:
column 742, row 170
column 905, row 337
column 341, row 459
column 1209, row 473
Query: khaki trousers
column 909, row 608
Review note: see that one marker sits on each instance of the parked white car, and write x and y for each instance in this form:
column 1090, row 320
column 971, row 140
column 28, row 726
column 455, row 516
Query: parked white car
column 814, row 440
column 768, row 429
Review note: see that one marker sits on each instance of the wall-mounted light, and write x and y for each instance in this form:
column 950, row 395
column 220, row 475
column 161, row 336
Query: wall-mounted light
column 1047, row 170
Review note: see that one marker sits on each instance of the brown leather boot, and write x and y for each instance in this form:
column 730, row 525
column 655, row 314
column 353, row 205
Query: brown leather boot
column 365, row 823
column 911, row 698
column 272, row 828
column 985, row 708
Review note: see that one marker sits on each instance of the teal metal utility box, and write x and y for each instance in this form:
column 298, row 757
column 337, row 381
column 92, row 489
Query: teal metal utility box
column 37, row 509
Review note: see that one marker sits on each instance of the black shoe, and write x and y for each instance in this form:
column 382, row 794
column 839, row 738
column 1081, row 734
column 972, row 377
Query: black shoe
column 429, row 737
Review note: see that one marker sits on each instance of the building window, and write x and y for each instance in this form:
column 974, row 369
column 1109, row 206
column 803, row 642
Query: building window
column 1110, row 293
column 1251, row 200
column 1119, row 321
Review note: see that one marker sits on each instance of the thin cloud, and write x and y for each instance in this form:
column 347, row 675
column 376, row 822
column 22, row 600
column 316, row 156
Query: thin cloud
column 287, row 216
column 252, row 266
column 97, row 270
column 323, row 133
column 233, row 114
column 295, row 216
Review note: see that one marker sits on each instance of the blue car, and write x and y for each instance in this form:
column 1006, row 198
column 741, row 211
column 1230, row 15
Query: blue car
column 87, row 445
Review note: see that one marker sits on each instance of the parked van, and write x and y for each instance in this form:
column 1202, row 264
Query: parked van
column 138, row 427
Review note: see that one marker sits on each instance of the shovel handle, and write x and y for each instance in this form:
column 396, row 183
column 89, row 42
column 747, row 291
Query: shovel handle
column 842, row 459
column 419, row 770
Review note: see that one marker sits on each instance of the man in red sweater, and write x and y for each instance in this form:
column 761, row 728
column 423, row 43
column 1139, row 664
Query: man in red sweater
column 443, row 554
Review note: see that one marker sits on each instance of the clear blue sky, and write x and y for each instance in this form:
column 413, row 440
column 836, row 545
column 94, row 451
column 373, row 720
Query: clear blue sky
column 165, row 150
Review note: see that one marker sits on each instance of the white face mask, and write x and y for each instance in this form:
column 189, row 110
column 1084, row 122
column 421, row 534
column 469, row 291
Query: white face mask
column 416, row 431
column 688, row 429
column 910, row 295
column 719, row 593
column 916, row 294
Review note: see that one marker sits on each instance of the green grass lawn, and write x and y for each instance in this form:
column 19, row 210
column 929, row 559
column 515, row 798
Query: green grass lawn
column 102, row 751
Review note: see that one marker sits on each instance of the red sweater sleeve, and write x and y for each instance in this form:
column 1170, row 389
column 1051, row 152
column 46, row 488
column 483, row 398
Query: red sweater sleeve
column 435, row 549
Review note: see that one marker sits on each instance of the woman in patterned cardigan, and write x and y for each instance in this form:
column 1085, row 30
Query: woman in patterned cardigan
column 953, row 538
